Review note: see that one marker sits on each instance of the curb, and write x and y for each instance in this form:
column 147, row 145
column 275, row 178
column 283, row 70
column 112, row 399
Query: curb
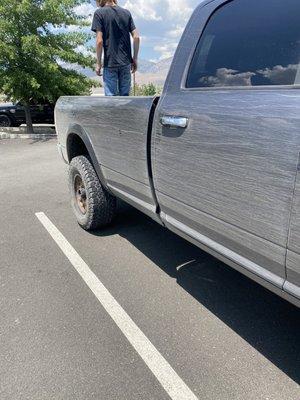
column 6, row 135
column 40, row 132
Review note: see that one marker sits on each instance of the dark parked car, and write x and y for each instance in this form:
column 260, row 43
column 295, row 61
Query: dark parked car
column 14, row 114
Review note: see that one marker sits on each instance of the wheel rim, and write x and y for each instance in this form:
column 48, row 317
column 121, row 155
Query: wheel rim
column 4, row 120
column 80, row 194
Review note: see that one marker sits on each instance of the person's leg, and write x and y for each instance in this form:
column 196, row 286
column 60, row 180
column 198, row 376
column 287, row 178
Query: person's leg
column 110, row 80
column 124, row 80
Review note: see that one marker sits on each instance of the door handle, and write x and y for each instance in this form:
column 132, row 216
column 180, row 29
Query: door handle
column 174, row 122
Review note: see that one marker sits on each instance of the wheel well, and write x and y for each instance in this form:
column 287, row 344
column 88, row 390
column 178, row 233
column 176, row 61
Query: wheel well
column 76, row 147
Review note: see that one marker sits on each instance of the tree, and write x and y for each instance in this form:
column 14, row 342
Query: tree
column 38, row 52
column 145, row 90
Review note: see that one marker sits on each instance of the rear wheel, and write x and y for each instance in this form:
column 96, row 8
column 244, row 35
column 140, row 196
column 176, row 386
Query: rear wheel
column 5, row 120
column 93, row 206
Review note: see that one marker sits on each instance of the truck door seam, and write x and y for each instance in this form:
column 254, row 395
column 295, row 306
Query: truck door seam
column 290, row 216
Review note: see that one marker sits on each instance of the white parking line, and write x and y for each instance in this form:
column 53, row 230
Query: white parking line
column 164, row 373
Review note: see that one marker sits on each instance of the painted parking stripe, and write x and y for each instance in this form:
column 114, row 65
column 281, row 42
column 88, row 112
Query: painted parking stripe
column 164, row 373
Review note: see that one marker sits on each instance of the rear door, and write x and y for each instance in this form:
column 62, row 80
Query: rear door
column 228, row 132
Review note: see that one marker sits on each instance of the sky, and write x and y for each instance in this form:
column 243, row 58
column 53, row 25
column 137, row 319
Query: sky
column 159, row 22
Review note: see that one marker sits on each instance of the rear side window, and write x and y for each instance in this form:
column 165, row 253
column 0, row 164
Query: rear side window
column 249, row 43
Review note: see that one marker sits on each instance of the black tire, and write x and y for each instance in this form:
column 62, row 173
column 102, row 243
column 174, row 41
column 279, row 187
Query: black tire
column 5, row 120
column 93, row 206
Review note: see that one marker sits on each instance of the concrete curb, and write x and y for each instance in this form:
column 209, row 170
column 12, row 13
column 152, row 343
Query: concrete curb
column 5, row 135
column 40, row 132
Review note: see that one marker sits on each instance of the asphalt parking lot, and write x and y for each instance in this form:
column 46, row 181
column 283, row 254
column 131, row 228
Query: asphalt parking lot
column 224, row 336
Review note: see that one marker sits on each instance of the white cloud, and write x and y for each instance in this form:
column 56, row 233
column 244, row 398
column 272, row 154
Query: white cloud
column 180, row 9
column 161, row 10
column 161, row 21
column 146, row 10
column 228, row 77
column 176, row 32
column 85, row 9
column 166, row 50
column 280, row 75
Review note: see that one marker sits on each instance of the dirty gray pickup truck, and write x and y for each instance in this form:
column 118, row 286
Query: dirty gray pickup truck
column 215, row 158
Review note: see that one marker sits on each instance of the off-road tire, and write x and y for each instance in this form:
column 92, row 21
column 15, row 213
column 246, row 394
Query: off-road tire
column 100, row 204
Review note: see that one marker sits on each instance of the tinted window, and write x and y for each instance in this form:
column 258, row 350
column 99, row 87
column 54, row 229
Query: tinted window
column 249, row 43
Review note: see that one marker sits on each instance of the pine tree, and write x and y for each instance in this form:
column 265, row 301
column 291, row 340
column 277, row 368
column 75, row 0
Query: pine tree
column 38, row 52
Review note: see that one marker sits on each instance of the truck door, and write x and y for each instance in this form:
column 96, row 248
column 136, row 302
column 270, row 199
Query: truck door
column 227, row 132
column 292, row 284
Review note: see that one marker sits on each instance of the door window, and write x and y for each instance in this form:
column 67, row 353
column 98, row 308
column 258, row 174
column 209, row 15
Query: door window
column 249, row 43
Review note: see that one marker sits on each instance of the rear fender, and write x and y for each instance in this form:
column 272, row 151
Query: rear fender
column 76, row 129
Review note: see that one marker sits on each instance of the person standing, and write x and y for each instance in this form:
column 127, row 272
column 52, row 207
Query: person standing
column 113, row 26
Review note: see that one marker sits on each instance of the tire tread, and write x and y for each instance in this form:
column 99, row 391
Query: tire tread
column 101, row 204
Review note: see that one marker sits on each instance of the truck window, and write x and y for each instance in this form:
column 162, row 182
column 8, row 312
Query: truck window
column 249, row 43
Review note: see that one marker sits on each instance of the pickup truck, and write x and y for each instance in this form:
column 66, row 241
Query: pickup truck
column 215, row 158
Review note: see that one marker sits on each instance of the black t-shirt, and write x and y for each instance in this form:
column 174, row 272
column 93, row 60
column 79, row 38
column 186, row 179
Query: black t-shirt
column 115, row 23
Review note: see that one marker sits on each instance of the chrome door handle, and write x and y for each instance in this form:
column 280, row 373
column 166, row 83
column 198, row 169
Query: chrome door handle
column 174, row 122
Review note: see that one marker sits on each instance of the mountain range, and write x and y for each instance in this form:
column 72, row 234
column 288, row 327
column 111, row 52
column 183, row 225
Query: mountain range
column 155, row 72
column 148, row 71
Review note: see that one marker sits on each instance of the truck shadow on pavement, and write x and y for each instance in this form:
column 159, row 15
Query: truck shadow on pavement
column 267, row 322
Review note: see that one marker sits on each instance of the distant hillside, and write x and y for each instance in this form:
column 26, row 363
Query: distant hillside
column 155, row 73
column 148, row 71
column 145, row 66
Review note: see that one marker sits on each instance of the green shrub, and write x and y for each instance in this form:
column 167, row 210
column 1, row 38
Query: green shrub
column 145, row 90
